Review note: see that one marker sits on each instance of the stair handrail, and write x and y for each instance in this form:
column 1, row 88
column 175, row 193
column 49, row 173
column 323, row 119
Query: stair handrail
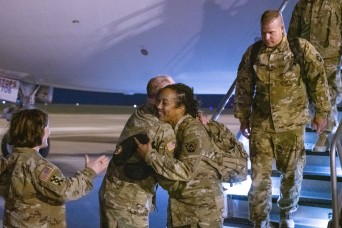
column 224, row 102
column 225, row 99
column 335, row 148
column 283, row 5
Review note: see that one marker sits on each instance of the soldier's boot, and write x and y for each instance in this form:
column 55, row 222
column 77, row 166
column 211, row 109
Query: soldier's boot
column 322, row 143
column 286, row 220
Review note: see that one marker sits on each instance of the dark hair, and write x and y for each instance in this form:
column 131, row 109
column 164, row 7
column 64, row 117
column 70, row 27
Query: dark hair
column 185, row 97
column 27, row 128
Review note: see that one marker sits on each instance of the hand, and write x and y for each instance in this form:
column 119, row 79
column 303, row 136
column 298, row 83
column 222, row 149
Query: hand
column 98, row 165
column 245, row 128
column 202, row 117
column 318, row 124
column 142, row 149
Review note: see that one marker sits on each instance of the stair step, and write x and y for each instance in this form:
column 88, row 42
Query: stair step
column 306, row 216
column 315, row 203
column 313, row 192
column 299, row 223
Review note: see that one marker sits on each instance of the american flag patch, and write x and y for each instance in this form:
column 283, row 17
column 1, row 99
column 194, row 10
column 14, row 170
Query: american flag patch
column 46, row 172
column 171, row 145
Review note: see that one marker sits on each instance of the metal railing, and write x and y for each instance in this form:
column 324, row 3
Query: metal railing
column 335, row 149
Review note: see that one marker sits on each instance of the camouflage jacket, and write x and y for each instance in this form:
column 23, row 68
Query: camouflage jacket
column 35, row 190
column 319, row 22
column 275, row 96
column 117, row 190
column 196, row 183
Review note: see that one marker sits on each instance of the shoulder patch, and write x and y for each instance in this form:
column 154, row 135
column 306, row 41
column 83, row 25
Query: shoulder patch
column 319, row 58
column 191, row 147
column 45, row 174
column 56, row 180
column 171, row 145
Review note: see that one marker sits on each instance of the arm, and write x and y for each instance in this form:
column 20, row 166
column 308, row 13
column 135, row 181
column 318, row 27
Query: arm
column 317, row 86
column 190, row 150
column 244, row 93
column 3, row 165
column 3, row 182
column 51, row 182
column 295, row 23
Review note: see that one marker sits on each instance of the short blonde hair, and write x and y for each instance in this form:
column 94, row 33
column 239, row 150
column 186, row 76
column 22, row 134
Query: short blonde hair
column 271, row 15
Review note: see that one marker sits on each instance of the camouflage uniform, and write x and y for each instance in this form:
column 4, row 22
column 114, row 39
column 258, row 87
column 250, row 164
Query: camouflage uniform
column 275, row 100
column 35, row 190
column 125, row 202
column 197, row 201
column 320, row 22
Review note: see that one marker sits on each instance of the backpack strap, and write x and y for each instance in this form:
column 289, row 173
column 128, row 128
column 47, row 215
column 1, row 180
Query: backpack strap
column 254, row 54
column 294, row 46
column 297, row 52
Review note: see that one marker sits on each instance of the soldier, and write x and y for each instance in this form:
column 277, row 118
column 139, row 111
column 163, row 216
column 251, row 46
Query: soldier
column 319, row 22
column 198, row 200
column 125, row 202
column 271, row 102
column 34, row 189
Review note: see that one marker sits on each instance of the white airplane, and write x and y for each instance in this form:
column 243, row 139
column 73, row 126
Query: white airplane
column 118, row 45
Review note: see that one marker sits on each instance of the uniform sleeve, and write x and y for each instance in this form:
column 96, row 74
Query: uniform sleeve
column 317, row 85
column 3, row 164
column 188, row 155
column 295, row 23
column 3, row 182
column 244, row 90
column 51, row 183
column 164, row 140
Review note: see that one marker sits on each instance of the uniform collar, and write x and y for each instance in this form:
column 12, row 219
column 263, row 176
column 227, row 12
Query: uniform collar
column 283, row 45
column 180, row 121
column 24, row 150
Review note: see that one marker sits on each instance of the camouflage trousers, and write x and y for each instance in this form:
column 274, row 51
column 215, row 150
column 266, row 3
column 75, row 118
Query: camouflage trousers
column 124, row 207
column 287, row 149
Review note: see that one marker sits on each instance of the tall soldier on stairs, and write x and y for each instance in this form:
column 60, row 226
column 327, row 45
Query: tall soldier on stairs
column 271, row 102
column 320, row 22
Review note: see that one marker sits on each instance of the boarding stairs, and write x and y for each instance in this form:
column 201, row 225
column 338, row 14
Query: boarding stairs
column 316, row 207
column 315, row 204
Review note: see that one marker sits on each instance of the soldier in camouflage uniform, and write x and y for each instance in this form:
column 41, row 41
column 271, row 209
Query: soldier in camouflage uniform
column 198, row 200
column 271, row 102
column 125, row 202
column 34, row 189
column 320, row 22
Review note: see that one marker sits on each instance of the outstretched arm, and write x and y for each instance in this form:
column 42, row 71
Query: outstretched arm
column 98, row 165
